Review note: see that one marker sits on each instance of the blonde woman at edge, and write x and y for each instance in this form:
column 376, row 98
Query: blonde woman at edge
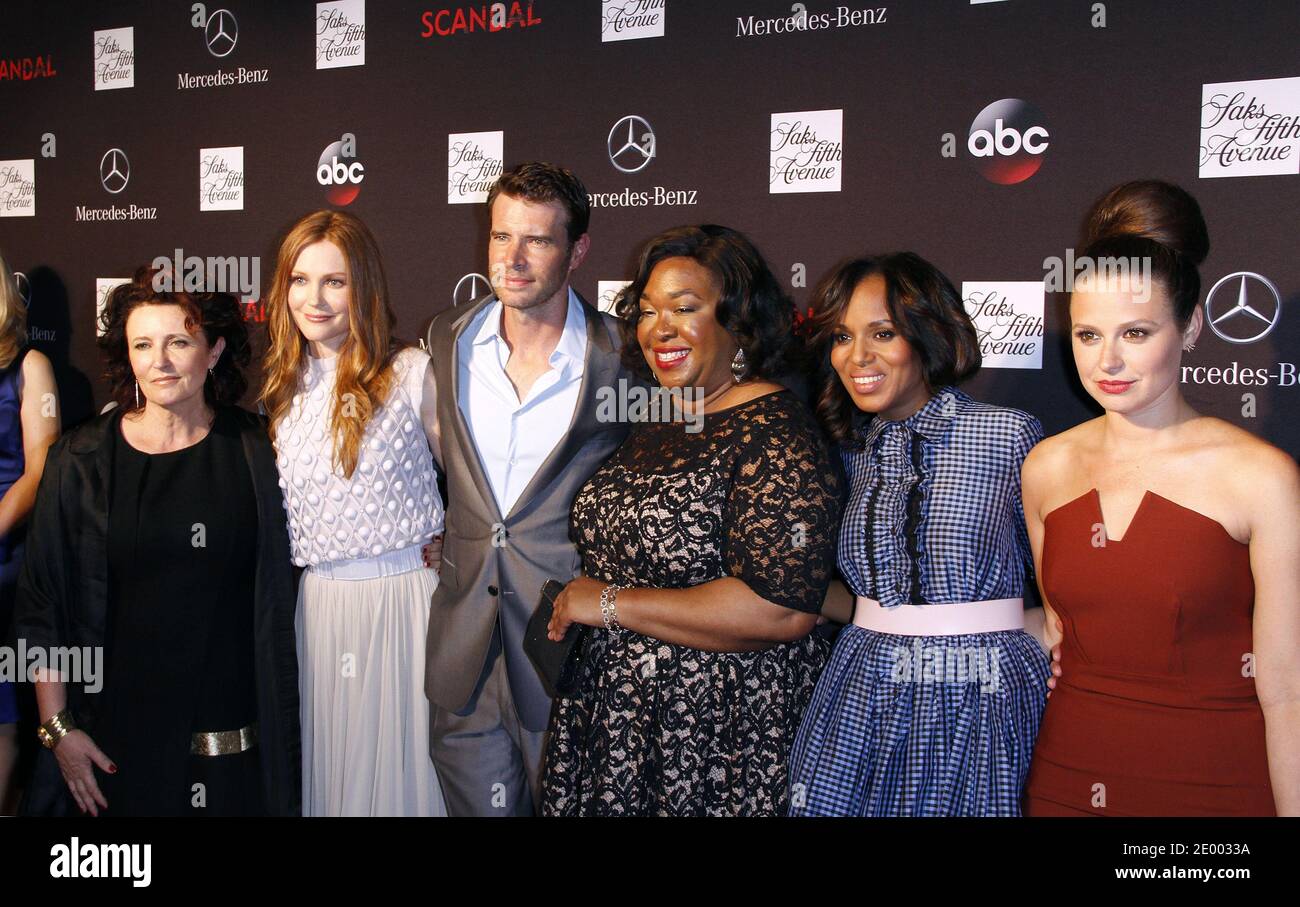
column 352, row 419
column 29, row 424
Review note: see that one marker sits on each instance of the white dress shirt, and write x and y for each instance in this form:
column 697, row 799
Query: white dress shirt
column 514, row 437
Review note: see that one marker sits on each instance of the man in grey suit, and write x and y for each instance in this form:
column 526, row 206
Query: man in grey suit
column 516, row 377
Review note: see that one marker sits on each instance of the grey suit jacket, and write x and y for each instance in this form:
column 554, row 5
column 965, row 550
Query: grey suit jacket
column 494, row 564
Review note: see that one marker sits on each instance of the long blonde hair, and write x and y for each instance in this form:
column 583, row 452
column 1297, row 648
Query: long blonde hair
column 13, row 317
column 365, row 368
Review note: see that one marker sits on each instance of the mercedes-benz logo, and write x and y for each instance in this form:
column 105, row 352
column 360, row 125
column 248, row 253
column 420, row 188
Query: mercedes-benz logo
column 114, row 170
column 24, row 288
column 221, row 32
column 630, row 151
column 469, row 288
column 1257, row 308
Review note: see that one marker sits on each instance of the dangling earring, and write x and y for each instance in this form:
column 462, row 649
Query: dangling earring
column 137, row 395
column 212, row 374
column 738, row 366
column 1191, row 346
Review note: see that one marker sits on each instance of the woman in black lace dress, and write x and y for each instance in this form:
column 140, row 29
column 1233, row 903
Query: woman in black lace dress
column 707, row 545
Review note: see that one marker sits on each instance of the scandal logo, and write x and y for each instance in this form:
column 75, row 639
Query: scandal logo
column 623, row 20
column 806, row 151
column 28, row 68
column 17, row 188
column 114, row 58
column 473, row 164
column 340, row 34
column 487, row 17
column 1250, row 128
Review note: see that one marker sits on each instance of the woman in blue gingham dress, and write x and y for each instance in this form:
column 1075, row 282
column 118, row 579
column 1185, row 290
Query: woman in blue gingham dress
column 924, row 724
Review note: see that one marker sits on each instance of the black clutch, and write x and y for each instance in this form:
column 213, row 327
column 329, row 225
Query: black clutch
column 556, row 662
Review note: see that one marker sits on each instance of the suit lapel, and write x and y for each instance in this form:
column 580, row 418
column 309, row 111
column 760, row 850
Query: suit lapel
column 464, row 440
column 600, row 367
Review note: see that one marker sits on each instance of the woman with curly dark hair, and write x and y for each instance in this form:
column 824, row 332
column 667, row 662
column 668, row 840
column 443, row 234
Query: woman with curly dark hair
column 706, row 553
column 159, row 540
column 932, row 698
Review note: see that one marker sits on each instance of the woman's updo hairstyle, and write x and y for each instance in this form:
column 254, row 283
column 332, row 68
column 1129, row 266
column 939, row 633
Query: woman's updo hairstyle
column 1157, row 221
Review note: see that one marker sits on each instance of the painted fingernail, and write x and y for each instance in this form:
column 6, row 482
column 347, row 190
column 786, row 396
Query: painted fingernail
column 112, row 768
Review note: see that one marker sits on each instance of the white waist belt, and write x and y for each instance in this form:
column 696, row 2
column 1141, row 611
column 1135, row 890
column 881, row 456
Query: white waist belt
column 390, row 563
column 940, row 620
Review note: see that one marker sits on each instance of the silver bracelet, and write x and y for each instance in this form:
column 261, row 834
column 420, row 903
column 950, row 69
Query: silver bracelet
column 608, row 595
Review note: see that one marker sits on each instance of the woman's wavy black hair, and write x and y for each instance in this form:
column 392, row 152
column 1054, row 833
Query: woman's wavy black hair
column 216, row 314
column 926, row 310
column 753, row 308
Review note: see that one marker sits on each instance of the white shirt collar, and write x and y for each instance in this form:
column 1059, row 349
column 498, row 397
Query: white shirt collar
column 572, row 345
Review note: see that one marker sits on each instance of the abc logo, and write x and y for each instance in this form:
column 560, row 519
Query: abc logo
column 1007, row 141
column 339, row 169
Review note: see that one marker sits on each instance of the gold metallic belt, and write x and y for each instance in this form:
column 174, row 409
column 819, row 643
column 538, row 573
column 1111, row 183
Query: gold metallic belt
column 223, row 743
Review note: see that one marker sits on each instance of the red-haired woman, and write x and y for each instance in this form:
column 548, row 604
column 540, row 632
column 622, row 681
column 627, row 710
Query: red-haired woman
column 352, row 420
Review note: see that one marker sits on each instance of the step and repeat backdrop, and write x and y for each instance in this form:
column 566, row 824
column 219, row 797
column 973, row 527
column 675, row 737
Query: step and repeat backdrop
column 973, row 132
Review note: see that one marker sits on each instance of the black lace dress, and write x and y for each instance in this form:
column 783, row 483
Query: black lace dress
column 664, row 729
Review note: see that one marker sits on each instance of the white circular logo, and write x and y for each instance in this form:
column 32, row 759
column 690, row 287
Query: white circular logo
column 469, row 288
column 631, row 144
column 24, row 288
column 221, row 32
column 114, row 170
column 1247, row 308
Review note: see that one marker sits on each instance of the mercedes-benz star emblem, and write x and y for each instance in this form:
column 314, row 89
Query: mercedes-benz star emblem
column 631, row 144
column 24, row 288
column 114, row 170
column 469, row 288
column 1256, row 310
column 221, row 33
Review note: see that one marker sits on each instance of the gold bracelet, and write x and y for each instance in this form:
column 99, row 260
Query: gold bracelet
column 56, row 728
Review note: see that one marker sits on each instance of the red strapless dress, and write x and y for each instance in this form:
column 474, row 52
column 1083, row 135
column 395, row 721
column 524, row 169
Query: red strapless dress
column 1152, row 715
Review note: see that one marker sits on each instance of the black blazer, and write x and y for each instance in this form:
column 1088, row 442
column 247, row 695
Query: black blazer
column 62, row 598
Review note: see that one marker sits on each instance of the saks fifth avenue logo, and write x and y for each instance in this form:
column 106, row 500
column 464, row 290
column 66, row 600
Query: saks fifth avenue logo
column 339, row 169
column 473, row 165
column 1008, row 317
column 220, row 34
column 1007, row 141
column 113, row 58
column 1250, row 128
column 801, row 20
column 489, row 17
column 25, row 69
column 340, row 34
column 1243, row 307
column 221, row 179
column 18, row 188
column 607, row 293
column 806, row 151
column 623, row 20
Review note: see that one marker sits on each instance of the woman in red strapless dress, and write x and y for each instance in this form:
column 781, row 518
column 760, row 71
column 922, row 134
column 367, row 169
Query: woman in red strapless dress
column 1180, row 633
column 1154, row 701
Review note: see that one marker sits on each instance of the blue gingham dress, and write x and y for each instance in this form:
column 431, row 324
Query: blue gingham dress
column 929, row 726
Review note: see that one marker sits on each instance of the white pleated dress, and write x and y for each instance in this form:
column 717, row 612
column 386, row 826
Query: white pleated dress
column 363, row 602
